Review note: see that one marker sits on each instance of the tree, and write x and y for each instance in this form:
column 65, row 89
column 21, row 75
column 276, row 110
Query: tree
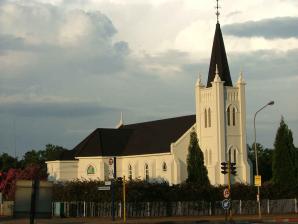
column 7, row 162
column 283, row 164
column 264, row 159
column 197, row 172
column 52, row 152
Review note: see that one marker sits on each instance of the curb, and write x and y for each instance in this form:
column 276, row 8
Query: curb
column 286, row 220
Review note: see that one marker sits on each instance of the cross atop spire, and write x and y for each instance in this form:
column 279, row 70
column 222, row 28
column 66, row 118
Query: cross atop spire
column 217, row 11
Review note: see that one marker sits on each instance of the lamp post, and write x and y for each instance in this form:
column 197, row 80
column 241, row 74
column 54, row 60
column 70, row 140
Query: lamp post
column 256, row 155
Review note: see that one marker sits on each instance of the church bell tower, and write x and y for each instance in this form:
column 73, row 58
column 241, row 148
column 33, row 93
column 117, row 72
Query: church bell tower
column 221, row 117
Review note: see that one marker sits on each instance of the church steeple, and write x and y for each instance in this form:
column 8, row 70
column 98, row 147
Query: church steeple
column 219, row 57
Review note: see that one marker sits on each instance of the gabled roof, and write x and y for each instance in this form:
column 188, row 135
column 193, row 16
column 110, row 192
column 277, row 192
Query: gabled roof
column 156, row 136
column 219, row 58
column 134, row 139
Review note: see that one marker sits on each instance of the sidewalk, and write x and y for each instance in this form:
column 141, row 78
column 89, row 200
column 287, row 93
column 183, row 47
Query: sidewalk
column 291, row 218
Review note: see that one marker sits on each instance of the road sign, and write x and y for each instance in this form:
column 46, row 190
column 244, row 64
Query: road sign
column 226, row 204
column 108, row 183
column 258, row 181
column 111, row 168
column 226, row 193
column 104, row 188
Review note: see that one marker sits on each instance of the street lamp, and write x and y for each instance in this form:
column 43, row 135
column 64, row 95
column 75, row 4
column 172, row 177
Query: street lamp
column 256, row 155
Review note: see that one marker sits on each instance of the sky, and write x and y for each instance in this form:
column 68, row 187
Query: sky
column 68, row 67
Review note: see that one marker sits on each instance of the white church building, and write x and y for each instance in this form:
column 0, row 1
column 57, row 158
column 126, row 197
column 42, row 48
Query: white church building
column 158, row 149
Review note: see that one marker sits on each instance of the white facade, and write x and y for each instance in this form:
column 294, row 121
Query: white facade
column 221, row 128
column 170, row 167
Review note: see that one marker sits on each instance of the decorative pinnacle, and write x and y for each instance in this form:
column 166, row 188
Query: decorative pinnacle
column 199, row 80
column 217, row 11
column 217, row 77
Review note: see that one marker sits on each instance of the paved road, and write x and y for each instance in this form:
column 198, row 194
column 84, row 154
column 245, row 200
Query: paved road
column 162, row 220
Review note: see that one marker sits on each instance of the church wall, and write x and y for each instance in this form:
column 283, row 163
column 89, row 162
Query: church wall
column 180, row 152
column 62, row 170
column 88, row 162
column 155, row 166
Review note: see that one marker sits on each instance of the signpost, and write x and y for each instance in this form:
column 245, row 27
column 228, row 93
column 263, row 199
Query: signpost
column 226, row 193
column 104, row 188
column 230, row 169
column 226, row 204
column 111, row 168
column 258, row 180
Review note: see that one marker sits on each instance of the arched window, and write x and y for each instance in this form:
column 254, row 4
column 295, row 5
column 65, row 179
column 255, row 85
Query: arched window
column 234, row 116
column 129, row 172
column 232, row 156
column 235, row 156
column 209, row 117
column 164, row 167
column 205, row 118
column 90, row 169
column 146, row 172
column 228, row 116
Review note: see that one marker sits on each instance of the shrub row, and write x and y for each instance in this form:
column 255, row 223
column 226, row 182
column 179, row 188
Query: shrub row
column 140, row 191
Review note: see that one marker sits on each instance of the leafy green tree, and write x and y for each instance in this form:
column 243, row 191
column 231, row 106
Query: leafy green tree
column 283, row 164
column 7, row 162
column 52, row 152
column 264, row 159
column 197, row 172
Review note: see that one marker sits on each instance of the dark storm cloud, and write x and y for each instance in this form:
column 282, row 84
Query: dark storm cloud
column 282, row 27
column 54, row 109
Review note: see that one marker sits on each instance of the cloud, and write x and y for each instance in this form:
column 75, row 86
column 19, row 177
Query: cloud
column 282, row 27
column 53, row 109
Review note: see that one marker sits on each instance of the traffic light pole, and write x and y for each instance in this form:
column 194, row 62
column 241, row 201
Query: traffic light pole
column 229, row 185
column 124, row 201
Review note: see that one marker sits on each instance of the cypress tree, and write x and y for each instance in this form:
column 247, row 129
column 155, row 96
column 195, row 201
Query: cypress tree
column 197, row 172
column 283, row 164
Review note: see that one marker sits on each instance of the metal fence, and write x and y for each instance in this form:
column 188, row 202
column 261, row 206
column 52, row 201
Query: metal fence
column 190, row 208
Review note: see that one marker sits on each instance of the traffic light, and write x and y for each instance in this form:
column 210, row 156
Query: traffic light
column 120, row 181
column 233, row 168
column 224, row 168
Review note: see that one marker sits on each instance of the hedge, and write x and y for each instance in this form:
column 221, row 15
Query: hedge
column 141, row 191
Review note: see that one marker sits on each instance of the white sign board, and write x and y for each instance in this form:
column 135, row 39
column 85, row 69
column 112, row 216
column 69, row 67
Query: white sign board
column 108, row 183
column 104, row 188
column 111, row 168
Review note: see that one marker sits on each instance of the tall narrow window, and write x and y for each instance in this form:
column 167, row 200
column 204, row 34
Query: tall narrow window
column 164, row 167
column 230, row 156
column 228, row 116
column 234, row 116
column 210, row 156
column 146, row 172
column 205, row 118
column 235, row 156
column 129, row 172
column 209, row 117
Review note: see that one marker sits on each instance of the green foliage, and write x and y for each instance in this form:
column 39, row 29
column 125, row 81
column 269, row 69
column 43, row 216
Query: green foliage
column 143, row 191
column 284, row 165
column 197, row 172
column 7, row 162
column 264, row 159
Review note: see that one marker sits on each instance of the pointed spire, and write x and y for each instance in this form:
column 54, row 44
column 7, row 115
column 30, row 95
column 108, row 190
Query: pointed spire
column 121, row 122
column 219, row 57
